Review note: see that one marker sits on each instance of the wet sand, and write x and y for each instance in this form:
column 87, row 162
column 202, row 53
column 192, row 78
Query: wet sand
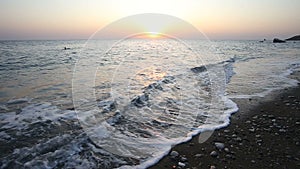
column 264, row 133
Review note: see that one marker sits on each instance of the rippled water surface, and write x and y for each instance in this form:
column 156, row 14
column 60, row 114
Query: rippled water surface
column 110, row 104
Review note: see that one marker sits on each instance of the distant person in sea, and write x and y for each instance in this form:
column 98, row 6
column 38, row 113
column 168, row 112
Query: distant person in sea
column 66, row 48
column 263, row 40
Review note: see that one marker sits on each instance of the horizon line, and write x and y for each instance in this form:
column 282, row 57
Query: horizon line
column 70, row 39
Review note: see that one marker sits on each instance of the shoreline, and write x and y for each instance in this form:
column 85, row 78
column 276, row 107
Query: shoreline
column 264, row 133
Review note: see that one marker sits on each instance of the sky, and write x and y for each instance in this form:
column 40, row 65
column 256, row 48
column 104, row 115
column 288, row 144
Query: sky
column 217, row 19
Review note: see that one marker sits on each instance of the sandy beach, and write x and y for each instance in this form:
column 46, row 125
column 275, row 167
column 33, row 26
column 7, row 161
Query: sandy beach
column 264, row 133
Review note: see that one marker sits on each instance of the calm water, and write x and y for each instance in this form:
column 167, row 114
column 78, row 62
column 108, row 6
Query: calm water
column 110, row 104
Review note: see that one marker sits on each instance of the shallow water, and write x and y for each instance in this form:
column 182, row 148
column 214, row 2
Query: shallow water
column 110, row 104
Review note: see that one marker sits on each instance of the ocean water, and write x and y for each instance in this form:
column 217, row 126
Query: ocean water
column 123, row 104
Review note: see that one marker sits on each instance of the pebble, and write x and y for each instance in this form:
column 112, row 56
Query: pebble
column 199, row 155
column 252, row 130
column 183, row 159
column 282, row 130
column 226, row 131
column 219, row 145
column 174, row 154
column 239, row 139
column 212, row 167
column 228, row 156
column 288, row 156
column 180, row 164
column 214, row 154
column 271, row 116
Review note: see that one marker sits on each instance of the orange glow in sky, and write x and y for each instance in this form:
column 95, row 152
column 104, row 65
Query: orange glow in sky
column 218, row 19
column 150, row 35
column 154, row 35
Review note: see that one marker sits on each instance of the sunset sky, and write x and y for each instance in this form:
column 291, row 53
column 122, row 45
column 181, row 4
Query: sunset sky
column 79, row 19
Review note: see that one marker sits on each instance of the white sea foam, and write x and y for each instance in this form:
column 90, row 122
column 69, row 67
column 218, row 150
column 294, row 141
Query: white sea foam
column 283, row 78
column 34, row 113
column 3, row 107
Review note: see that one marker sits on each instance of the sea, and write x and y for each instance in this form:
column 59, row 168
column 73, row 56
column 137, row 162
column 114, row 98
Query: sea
column 125, row 103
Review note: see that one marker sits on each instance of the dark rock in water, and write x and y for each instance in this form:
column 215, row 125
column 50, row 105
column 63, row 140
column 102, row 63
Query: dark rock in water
column 160, row 124
column 115, row 119
column 107, row 106
column 168, row 79
column 70, row 108
column 199, row 69
column 231, row 60
column 294, row 38
column 140, row 101
column 276, row 40
column 263, row 40
column 155, row 86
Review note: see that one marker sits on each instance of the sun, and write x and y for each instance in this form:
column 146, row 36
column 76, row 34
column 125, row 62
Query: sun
column 153, row 35
column 150, row 35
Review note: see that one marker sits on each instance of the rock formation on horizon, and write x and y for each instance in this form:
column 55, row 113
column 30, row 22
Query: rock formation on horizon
column 276, row 40
column 294, row 38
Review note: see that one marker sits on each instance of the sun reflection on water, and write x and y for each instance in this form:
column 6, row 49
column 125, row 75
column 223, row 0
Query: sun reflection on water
column 149, row 75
